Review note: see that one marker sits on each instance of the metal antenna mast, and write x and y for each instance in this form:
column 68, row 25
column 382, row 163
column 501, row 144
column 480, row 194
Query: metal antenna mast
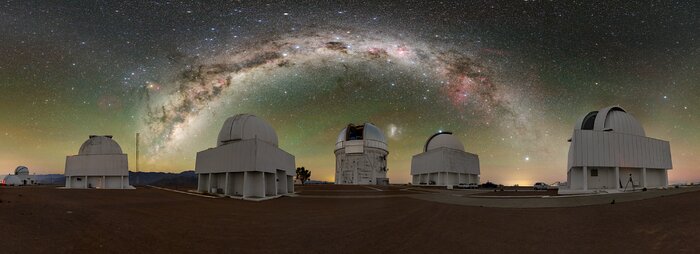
column 137, row 158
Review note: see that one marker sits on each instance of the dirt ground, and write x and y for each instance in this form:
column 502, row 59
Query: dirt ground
column 49, row 220
column 528, row 192
column 353, row 190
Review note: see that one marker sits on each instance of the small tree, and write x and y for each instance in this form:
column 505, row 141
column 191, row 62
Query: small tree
column 303, row 174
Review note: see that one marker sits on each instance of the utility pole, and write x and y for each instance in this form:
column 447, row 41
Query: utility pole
column 137, row 158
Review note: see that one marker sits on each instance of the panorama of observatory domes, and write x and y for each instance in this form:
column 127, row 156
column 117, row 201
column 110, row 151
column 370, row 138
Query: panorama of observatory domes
column 609, row 153
column 249, row 194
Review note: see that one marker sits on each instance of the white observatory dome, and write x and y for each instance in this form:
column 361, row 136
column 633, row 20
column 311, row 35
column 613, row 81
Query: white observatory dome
column 614, row 119
column 443, row 139
column 369, row 132
column 11, row 180
column 100, row 145
column 21, row 170
column 246, row 126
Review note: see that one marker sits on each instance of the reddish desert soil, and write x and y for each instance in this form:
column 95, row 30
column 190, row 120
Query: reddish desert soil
column 528, row 192
column 49, row 220
column 352, row 190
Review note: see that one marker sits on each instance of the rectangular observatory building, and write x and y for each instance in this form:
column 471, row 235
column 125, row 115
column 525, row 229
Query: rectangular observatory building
column 444, row 162
column 246, row 162
column 610, row 152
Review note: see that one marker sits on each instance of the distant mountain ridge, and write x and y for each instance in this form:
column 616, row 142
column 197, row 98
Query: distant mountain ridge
column 163, row 179
column 185, row 179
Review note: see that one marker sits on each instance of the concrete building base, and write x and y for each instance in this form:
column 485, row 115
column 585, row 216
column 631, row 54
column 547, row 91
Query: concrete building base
column 247, row 185
column 444, row 179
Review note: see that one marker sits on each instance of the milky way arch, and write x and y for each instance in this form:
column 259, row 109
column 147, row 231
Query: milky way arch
column 461, row 75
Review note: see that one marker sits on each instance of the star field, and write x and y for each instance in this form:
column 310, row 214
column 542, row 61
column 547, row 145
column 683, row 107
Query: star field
column 509, row 78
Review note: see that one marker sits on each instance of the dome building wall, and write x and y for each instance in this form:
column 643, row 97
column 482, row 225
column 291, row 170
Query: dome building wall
column 360, row 155
column 11, row 180
column 444, row 162
column 100, row 164
column 247, row 162
column 609, row 151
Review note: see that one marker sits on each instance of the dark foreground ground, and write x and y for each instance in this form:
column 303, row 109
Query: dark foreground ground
column 49, row 220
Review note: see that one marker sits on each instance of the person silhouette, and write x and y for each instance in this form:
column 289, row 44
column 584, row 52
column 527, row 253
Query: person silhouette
column 630, row 180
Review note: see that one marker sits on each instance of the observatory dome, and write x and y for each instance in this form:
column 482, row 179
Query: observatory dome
column 614, row 119
column 443, row 139
column 369, row 132
column 11, row 180
column 100, row 145
column 21, row 170
column 246, row 126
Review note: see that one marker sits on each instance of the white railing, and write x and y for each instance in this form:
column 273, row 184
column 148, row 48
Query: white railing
column 367, row 143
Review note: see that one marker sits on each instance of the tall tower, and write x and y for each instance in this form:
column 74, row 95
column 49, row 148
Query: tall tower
column 137, row 158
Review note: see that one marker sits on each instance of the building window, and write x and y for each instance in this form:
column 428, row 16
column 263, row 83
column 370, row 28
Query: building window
column 594, row 172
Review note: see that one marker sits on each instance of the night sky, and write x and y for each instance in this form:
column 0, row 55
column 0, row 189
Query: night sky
column 508, row 78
